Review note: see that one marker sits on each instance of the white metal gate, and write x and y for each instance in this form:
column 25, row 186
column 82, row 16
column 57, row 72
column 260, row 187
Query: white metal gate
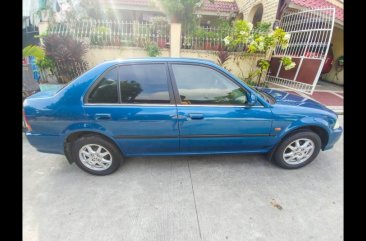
column 311, row 32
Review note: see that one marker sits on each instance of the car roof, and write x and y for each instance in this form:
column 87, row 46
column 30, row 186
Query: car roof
column 160, row 59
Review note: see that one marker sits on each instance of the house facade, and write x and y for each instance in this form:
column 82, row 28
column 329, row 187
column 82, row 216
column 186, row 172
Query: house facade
column 144, row 10
column 258, row 10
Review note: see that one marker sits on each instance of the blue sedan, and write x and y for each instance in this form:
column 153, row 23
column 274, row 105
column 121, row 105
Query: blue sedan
column 174, row 106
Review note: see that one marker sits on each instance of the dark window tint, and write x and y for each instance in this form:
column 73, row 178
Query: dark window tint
column 106, row 90
column 145, row 83
column 203, row 85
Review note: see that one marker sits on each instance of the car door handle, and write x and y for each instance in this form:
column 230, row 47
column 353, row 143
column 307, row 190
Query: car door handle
column 195, row 116
column 102, row 116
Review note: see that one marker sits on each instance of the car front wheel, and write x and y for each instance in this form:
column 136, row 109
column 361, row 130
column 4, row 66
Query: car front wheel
column 96, row 155
column 297, row 150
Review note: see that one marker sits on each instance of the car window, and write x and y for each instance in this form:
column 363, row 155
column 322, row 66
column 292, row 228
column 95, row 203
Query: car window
column 144, row 83
column 203, row 85
column 106, row 91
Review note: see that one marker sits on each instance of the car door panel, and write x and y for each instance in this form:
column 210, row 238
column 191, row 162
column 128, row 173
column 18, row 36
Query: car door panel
column 225, row 129
column 213, row 116
column 139, row 130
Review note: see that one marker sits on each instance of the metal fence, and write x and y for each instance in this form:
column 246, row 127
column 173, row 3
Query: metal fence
column 204, row 38
column 136, row 34
column 114, row 33
column 63, row 72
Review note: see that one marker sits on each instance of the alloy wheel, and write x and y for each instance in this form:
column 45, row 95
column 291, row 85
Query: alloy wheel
column 95, row 157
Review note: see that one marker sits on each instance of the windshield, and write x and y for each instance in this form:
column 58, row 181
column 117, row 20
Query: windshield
column 267, row 97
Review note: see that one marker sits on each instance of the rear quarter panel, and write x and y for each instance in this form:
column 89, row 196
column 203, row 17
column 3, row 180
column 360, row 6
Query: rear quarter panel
column 53, row 117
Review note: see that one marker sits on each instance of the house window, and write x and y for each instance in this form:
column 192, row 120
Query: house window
column 256, row 14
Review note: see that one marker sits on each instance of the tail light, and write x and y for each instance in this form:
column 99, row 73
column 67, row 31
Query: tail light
column 26, row 123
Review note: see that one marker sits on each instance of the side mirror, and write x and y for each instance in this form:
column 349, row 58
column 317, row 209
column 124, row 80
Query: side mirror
column 252, row 99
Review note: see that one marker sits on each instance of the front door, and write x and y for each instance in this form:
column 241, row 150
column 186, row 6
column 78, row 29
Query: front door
column 133, row 104
column 213, row 116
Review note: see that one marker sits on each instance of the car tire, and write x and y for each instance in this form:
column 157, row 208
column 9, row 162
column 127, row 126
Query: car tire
column 297, row 150
column 96, row 155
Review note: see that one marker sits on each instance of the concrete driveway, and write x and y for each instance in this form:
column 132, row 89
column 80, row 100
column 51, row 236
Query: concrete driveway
column 183, row 198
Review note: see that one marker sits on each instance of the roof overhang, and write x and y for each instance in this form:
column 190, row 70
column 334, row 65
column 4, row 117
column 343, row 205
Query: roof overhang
column 136, row 8
column 211, row 13
column 337, row 22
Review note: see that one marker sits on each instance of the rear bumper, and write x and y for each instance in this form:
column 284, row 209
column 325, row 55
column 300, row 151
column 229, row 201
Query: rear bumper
column 333, row 138
column 46, row 143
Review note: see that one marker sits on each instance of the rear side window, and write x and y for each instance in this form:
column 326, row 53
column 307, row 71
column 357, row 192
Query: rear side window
column 106, row 90
column 144, row 84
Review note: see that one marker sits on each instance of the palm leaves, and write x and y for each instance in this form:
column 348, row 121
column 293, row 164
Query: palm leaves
column 34, row 50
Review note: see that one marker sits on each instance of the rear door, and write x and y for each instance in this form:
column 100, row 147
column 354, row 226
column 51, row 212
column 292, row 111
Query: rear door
column 213, row 115
column 134, row 104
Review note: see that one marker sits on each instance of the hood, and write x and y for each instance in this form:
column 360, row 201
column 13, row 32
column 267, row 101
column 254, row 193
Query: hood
column 284, row 98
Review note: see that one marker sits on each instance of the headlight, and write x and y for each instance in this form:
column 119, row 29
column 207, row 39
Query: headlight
column 336, row 125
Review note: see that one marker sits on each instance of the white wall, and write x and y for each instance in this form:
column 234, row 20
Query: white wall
column 239, row 64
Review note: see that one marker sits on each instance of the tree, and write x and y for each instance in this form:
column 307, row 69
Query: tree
column 261, row 39
column 182, row 11
column 33, row 50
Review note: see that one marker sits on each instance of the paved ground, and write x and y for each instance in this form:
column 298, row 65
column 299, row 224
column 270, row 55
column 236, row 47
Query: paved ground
column 325, row 85
column 184, row 198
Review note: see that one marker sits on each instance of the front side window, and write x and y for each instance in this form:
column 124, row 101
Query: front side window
column 144, row 84
column 106, row 91
column 203, row 85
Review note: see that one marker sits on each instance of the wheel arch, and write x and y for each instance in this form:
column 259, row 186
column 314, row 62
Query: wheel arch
column 320, row 131
column 71, row 137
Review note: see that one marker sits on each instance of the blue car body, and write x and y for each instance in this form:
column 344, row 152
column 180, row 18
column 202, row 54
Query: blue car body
column 173, row 129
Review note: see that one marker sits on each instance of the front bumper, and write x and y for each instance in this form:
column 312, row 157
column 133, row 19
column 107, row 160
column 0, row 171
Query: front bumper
column 333, row 138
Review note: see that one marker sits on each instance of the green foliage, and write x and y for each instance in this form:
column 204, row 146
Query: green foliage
column 46, row 64
column 34, row 50
column 263, row 64
column 261, row 39
column 253, row 83
column 241, row 33
column 287, row 63
column 203, row 33
column 152, row 49
column 100, row 35
column 262, row 27
column 182, row 11
column 206, row 33
column 222, row 24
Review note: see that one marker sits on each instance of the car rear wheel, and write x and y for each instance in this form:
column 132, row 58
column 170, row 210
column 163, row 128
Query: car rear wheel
column 96, row 155
column 297, row 150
